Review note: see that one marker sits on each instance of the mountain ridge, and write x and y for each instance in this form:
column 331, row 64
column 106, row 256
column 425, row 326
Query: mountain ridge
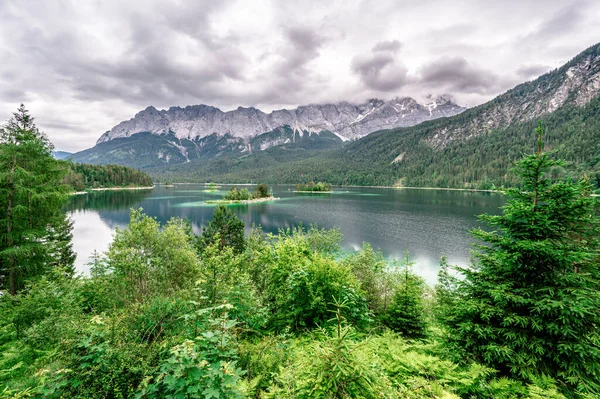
column 348, row 121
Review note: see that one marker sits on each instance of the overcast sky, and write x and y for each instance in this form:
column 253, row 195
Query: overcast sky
column 82, row 66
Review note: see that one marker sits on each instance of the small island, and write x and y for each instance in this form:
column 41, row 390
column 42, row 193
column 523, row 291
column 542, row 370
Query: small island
column 211, row 187
column 244, row 196
column 311, row 187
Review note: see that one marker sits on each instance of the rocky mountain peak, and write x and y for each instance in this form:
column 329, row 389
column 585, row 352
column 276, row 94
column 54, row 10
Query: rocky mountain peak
column 346, row 120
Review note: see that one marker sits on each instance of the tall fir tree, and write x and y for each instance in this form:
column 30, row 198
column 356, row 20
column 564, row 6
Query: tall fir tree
column 31, row 198
column 406, row 313
column 530, row 305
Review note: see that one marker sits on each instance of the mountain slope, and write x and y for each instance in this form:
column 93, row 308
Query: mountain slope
column 146, row 150
column 472, row 149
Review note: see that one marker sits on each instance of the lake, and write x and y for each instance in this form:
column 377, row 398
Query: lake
column 427, row 223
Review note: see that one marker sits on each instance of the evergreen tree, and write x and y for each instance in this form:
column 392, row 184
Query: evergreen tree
column 60, row 243
column 406, row 313
column 530, row 305
column 226, row 229
column 31, row 198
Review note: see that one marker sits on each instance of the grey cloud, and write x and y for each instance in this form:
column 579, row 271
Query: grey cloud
column 532, row 70
column 151, row 71
column 550, row 35
column 13, row 94
column 458, row 75
column 561, row 23
column 292, row 78
column 380, row 70
column 388, row 45
column 305, row 39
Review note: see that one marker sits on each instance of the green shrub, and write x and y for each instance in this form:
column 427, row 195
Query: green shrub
column 319, row 187
column 151, row 260
column 202, row 367
column 369, row 267
column 101, row 365
column 261, row 191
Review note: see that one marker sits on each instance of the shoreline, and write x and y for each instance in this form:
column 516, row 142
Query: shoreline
column 475, row 190
column 355, row 186
column 231, row 202
column 110, row 189
column 313, row 192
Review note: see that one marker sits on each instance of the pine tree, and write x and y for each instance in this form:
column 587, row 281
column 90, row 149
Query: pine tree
column 226, row 228
column 406, row 313
column 445, row 292
column 31, row 198
column 530, row 305
column 60, row 246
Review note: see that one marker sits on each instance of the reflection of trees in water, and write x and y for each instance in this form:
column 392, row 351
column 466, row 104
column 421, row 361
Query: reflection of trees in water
column 108, row 200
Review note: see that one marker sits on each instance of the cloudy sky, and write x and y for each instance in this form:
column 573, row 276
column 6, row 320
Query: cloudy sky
column 82, row 66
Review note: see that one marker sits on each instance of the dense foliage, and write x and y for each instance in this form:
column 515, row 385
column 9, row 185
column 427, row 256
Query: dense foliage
column 84, row 176
column 406, row 312
column 312, row 187
column 225, row 230
column 287, row 317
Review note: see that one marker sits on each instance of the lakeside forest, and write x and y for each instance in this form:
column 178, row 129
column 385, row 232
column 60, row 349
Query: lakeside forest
column 168, row 314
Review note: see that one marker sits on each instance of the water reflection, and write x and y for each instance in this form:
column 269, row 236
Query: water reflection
column 427, row 223
column 110, row 200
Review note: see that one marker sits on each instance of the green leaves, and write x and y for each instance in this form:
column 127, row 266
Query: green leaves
column 202, row 367
column 406, row 312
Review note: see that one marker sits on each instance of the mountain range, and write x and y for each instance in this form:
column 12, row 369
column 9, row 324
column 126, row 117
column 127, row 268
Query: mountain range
column 472, row 149
column 178, row 135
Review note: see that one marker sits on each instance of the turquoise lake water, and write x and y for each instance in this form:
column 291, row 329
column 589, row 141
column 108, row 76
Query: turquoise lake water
column 427, row 223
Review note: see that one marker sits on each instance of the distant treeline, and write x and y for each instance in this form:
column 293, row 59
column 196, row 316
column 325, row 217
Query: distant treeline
column 85, row 176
